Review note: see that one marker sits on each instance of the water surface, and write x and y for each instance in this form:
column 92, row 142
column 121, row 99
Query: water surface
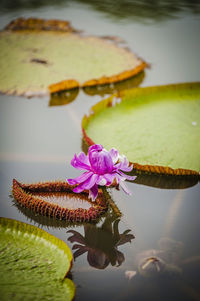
column 38, row 142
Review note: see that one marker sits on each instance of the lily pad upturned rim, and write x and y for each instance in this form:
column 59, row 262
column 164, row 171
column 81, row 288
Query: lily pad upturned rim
column 39, row 24
column 72, row 84
column 23, row 195
column 66, row 97
column 51, row 25
column 108, row 102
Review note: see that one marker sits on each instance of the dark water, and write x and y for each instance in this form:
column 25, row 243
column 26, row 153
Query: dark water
column 38, row 142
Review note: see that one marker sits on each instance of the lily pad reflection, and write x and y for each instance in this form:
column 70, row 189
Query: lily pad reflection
column 63, row 98
column 164, row 181
column 129, row 83
column 66, row 97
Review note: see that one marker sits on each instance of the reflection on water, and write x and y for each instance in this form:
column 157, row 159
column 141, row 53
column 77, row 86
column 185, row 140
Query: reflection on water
column 144, row 9
column 102, row 90
column 101, row 240
column 166, row 182
column 64, row 98
column 47, row 221
column 101, row 243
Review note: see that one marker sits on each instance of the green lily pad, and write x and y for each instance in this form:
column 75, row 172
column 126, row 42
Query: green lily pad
column 34, row 62
column 33, row 264
column 157, row 128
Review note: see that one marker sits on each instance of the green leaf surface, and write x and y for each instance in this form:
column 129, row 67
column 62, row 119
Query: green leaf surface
column 32, row 60
column 33, row 264
column 156, row 127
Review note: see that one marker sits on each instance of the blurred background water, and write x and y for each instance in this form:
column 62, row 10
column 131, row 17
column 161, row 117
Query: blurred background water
column 39, row 139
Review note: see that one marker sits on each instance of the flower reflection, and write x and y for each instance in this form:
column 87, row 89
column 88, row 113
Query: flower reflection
column 101, row 243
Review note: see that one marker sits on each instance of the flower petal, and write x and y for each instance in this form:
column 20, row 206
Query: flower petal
column 114, row 155
column 83, row 158
column 95, row 147
column 109, row 177
column 80, row 178
column 101, row 161
column 101, row 181
column 93, row 192
column 77, row 163
column 124, row 164
column 86, row 185
column 127, row 177
column 124, row 187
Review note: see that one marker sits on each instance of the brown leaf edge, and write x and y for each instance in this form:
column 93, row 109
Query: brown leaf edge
column 24, row 196
column 71, row 84
column 155, row 169
column 39, row 24
column 162, row 181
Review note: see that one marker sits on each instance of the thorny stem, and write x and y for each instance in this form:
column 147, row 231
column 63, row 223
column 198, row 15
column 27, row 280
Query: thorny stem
column 111, row 202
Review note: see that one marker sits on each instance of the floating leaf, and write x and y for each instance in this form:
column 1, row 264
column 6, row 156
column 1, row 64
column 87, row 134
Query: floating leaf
column 37, row 54
column 57, row 200
column 33, row 264
column 157, row 128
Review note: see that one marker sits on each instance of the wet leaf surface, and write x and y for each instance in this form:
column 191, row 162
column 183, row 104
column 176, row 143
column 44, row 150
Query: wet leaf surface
column 33, row 264
column 157, row 128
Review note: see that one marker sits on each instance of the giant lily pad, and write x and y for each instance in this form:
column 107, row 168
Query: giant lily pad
column 33, row 264
column 157, row 128
column 40, row 54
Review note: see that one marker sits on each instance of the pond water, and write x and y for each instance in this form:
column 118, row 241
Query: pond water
column 39, row 140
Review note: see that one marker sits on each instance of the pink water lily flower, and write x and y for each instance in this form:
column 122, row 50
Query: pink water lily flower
column 102, row 168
